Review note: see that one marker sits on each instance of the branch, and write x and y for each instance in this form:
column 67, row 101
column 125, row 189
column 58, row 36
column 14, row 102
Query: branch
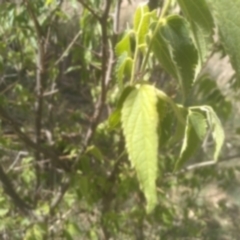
column 58, row 198
column 92, row 11
column 68, row 48
column 40, row 83
column 117, row 17
column 46, row 151
column 197, row 166
column 106, row 66
column 204, row 164
column 109, row 193
column 35, row 21
column 10, row 191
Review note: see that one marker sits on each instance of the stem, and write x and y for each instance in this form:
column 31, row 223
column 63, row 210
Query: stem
column 160, row 22
column 134, row 64
column 165, row 8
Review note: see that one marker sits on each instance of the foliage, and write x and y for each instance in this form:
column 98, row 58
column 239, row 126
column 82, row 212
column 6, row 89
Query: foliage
column 117, row 135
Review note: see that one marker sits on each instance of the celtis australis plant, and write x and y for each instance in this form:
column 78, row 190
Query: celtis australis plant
column 181, row 45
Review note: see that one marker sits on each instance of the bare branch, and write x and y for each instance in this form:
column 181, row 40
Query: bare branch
column 68, row 48
column 116, row 17
column 204, row 164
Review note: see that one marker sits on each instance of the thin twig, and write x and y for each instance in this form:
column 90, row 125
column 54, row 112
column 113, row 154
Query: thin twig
column 117, row 17
column 92, row 11
column 16, row 160
column 197, row 166
column 64, row 54
column 204, row 164
column 60, row 195
column 50, row 93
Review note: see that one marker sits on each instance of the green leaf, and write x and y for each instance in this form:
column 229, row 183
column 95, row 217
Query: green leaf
column 124, row 45
column 48, row 2
column 180, row 113
column 207, row 92
column 199, row 123
column 114, row 118
column 141, row 23
column 95, row 152
column 161, row 51
column 167, row 119
column 124, row 94
column 123, row 68
column 140, row 122
column 201, row 21
column 71, row 230
column 168, row 116
column 36, row 232
column 180, row 126
column 174, row 48
column 184, row 55
column 195, row 131
column 216, row 128
column 166, row 127
column 3, row 212
column 162, row 108
column 226, row 13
